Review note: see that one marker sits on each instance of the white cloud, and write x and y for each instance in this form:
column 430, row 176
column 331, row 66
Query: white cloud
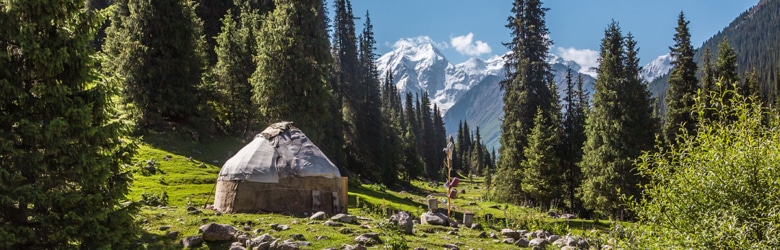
column 466, row 45
column 416, row 41
column 586, row 58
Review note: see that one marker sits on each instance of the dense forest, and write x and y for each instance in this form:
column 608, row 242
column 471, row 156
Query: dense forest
column 79, row 83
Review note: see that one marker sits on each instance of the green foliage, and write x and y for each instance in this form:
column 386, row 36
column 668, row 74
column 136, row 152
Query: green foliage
column 541, row 177
column 395, row 238
column 718, row 189
column 234, row 67
column 683, row 85
column 63, row 174
column 157, row 50
column 153, row 199
column 526, row 88
column 619, row 127
column 573, row 137
column 291, row 79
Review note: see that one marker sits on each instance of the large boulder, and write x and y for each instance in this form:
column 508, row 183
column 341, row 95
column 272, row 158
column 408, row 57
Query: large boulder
column 404, row 221
column 368, row 239
column 217, row 232
column 522, row 242
column 434, row 218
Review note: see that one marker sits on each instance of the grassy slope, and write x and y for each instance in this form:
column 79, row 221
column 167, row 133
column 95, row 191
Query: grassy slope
column 189, row 175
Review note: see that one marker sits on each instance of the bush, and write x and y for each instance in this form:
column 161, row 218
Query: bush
column 152, row 199
column 718, row 189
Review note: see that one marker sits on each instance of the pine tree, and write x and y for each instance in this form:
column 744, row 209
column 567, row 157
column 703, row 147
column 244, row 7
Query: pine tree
column 157, row 49
column 575, row 105
column 618, row 128
column 525, row 90
column 293, row 62
column 541, row 176
column 63, row 171
column 683, row 85
column 726, row 67
column 369, row 110
column 233, row 69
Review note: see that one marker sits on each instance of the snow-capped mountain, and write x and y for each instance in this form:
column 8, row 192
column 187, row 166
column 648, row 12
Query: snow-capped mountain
column 423, row 68
column 657, row 68
column 469, row 91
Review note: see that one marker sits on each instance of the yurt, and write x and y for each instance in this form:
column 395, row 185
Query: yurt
column 280, row 171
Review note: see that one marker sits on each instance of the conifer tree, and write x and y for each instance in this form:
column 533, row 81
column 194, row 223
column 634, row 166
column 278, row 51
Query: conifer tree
column 158, row 51
column 575, row 105
column 683, row 85
column 618, row 128
column 233, row 69
column 525, row 90
column 291, row 82
column 63, row 177
column 541, row 176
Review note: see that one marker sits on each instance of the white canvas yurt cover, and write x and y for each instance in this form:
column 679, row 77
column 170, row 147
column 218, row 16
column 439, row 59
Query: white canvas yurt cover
column 281, row 170
column 280, row 151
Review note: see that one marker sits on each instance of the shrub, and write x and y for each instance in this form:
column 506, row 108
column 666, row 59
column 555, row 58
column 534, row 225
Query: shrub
column 718, row 189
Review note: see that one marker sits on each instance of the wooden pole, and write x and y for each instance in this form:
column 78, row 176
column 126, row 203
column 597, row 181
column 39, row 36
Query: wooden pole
column 449, row 176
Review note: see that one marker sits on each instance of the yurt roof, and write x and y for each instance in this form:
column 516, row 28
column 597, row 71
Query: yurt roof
column 280, row 151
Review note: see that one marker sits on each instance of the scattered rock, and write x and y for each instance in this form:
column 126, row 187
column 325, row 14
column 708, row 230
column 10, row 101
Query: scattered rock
column 172, row 234
column 344, row 218
column 522, row 242
column 553, row 238
column 433, row 218
column 237, row 246
column 319, row 238
column 509, row 233
column 476, row 226
column 196, row 212
column 483, row 234
column 297, row 237
column 451, row 246
column 552, row 214
column 538, row 242
column 331, row 223
column 404, row 221
column 285, row 245
column 568, row 248
column 368, row 239
column 493, row 235
column 345, row 230
column 261, row 239
column 508, row 241
column 164, row 228
column 540, row 234
column 353, row 247
column 217, row 232
column 278, row 227
column 242, row 238
column 191, row 241
column 452, row 233
column 318, row 216
column 191, row 208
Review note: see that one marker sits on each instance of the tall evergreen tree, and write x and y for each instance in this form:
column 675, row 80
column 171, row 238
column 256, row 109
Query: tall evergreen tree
column 157, row 49
column 63, row 171
column 575, row 105
column 525, row 89
column 726, row 66
column 619, row 127
column 233, row 69
column 683, row 85
column 291, row 82
column 541, row 167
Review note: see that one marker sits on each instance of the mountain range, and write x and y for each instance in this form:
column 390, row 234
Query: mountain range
column 470, row 91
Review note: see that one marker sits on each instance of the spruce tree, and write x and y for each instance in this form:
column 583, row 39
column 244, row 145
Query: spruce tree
column 233, row 69
column 525, row 90
column 63, row 174
column 683, row 85
column 726, row 68
column 541, row 181
column 157, row 50
column 618, row 128
column 575, row 105
column 291, row 82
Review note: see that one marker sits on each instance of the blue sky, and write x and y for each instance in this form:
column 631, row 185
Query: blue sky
column 462, row 29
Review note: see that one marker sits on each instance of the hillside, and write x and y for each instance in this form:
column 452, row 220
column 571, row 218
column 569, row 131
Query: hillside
column 188, row 175
column 754, row 36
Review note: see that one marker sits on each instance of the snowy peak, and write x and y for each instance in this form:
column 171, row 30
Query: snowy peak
column 657, row 68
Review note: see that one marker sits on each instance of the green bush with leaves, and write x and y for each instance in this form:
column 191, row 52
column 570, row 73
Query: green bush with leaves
column 719, row 189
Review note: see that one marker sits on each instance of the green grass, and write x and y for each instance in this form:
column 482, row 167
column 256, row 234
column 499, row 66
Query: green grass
column 189, row 175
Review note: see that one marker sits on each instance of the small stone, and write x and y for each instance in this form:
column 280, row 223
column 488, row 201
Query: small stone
column 331, row 223
column 508, row 241
column 164, row 228
column 506, row 232
column 538, row 242
column 522, row 242
column 344, row 218
column 476, row 226
column 297, row 237
column 172, row 234
column 353, row 247
column 247, row 228
column 318, row 216
column 321, row 237
column 217, row 232
column 191, row 241
column 345, row 230
column 368, row 239
column 482, row 234
column 191, row 208
column 451, row 246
